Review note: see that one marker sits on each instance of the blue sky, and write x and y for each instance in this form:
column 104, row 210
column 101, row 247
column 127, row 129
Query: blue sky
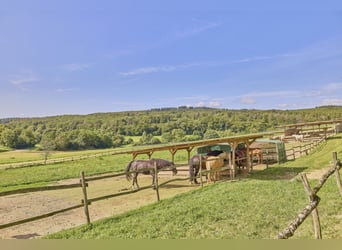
column 81, row 57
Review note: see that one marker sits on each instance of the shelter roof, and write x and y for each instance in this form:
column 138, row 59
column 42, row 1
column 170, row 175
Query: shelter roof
column 190, row 145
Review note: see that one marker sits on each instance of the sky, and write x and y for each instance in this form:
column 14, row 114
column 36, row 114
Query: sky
column 80, row 57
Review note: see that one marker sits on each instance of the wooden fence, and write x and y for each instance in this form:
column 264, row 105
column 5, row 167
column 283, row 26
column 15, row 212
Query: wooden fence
column 54, row 161
column 85, row 202
column 305, row 149
column 311, row 208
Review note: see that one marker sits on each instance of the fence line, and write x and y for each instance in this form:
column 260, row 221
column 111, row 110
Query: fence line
column 84, row 202
column 37, row 189
column 301, row 149
column 314, row 201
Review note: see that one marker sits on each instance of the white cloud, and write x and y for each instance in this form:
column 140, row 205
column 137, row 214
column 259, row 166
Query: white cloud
column 166, row 68
column 20, row 80
column 149, row 70
column 333, row 86
column 336, row 101
column 248, row 100
column 214, row 104
column 72, row 67
column 23, row 80
column 199, row 104
column 197, row 30
column 66, row 90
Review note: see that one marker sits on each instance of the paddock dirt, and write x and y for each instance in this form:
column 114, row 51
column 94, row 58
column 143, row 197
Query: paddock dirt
column 22, row 206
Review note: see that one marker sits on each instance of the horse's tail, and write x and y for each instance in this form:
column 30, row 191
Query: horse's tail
column 128, row 174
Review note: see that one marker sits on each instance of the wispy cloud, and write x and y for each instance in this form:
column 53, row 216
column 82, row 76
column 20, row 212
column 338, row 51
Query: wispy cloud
column 149, row 70
column 248, row 100
column 63, row 90
column 335, row 101
column 169, row 68
column 197, row 29
column 327, row 94
column 165, row 68
column 72, row 67
column 281, row 93
column 22, row 80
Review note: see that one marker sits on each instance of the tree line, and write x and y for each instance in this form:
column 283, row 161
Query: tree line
column 107, row 130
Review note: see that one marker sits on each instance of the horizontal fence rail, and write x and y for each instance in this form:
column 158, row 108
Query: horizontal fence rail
column 314, row 201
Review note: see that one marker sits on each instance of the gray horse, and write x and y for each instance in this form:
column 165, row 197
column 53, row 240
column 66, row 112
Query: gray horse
column 146, row 167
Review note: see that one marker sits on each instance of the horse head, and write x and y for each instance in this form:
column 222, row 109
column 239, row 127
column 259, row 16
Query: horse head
column 173, row 168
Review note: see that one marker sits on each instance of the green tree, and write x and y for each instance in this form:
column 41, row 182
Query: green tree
column 9, row 138
column 210, row 134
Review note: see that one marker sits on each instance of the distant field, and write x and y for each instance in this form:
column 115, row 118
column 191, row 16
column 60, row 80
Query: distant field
column 15, row 156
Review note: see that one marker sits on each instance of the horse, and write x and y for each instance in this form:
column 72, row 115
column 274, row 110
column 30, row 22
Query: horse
column 241, row 157
column 299, row 137
column 256, row 152
column 194, row 167
column 213, row 164
column 147, row 167
column 194, row 163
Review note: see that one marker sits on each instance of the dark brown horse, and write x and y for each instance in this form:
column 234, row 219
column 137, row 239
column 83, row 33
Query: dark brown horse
column 194, row 167
column 146, row 167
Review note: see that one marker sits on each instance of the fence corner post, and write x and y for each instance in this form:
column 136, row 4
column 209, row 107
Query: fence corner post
column 337, row 166
column 314, row 213
column 85, row 198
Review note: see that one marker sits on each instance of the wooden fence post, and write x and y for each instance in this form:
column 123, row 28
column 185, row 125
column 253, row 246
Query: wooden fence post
column 315, row 216
column 337, row 165
column 156, row 187
column 85, row 200
column 294, row 153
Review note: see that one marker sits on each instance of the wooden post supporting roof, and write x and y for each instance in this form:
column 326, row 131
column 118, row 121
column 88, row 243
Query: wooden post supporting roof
column 189, row 146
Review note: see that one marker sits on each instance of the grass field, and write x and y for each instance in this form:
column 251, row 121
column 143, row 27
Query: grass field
column 254, row 208
column 17, row 178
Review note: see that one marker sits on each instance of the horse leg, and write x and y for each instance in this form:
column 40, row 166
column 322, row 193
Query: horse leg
column 196, row 173
column 135, row 180
column 191, row 174
column 153, row 180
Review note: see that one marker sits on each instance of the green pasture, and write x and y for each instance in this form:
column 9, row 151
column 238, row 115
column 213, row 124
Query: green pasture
column 255, row 208
column 249, row 209
column 17, row 178
column 27, row 155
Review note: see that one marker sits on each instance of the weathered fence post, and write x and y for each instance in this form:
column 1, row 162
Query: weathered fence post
column 337, row 165
column 85, row 200
column 289, row 231
column 294, row 153
column 156, row 187
column 315, row 216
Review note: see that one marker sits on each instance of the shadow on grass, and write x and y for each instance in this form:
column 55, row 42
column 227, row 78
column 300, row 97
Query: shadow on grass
column 277, row 173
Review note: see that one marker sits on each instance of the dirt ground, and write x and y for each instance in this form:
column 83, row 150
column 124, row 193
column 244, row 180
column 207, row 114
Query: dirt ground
column 21, row 206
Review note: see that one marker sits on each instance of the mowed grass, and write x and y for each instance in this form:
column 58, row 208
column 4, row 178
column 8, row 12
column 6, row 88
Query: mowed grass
column 255, row 208
column 251, row 209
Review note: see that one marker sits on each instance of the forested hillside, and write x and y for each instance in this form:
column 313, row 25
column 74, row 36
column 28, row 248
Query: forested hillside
column 105, row 130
